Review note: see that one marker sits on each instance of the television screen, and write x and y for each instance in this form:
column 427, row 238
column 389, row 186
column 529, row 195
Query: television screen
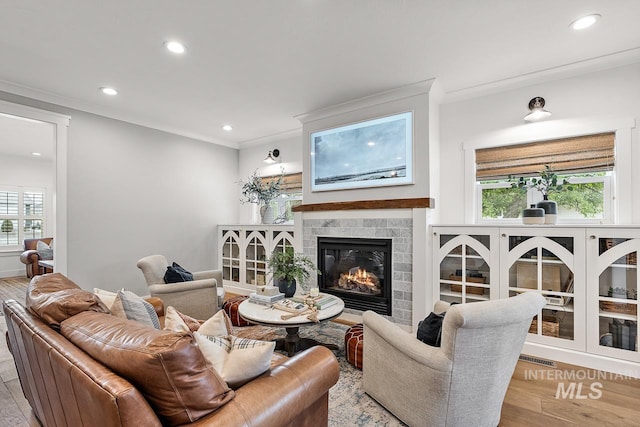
column 372, row 153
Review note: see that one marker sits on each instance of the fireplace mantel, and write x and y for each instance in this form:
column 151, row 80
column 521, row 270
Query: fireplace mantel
column 412, row 203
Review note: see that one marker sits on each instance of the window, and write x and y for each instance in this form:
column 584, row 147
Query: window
column 586, row 163
column 21, row 216
column 291, row 196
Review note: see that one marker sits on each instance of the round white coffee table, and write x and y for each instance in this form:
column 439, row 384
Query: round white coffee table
column 292, row 343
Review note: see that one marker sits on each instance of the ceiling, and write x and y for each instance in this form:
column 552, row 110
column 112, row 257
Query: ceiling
column 256, row 64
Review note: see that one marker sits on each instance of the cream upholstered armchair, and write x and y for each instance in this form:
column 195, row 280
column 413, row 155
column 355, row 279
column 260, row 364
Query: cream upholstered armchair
column 200, row 298
column 461, row 383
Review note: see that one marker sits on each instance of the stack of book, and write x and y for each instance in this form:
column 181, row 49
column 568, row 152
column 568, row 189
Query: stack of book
column 265, row 299
column 321, row 301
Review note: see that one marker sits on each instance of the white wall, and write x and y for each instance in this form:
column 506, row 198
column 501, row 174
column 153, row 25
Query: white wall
column 26, row 172
column 135, row 191
column 251, row 158
column 582, row 102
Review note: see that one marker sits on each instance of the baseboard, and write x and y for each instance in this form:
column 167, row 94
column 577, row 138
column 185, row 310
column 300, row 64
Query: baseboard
column 12, row 273
column 587, row 360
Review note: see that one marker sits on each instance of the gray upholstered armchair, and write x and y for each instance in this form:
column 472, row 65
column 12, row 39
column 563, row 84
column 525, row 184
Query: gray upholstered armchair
column 461, row 383
column 200, row 298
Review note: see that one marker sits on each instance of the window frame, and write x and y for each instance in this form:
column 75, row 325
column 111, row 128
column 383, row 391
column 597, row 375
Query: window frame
column 622, row 182
column 22, row 217
column 534, row 196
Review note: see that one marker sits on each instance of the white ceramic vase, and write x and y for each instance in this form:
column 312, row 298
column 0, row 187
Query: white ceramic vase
column 266, row 214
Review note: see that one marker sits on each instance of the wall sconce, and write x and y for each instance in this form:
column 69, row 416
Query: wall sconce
column 272, row 156
column 536, row 105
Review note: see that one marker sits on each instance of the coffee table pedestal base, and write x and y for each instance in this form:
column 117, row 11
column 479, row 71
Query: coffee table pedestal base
column 294, row 343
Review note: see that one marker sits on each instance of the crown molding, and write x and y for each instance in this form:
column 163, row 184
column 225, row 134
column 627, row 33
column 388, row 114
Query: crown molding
column 604, row 62
column 368, row 101
column 276, row 137
column 111, row 113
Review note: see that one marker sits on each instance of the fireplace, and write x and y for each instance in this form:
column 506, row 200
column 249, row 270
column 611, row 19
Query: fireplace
column 356, row 270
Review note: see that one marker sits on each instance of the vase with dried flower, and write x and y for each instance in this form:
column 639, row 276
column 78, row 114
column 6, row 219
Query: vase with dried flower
column 261, row 191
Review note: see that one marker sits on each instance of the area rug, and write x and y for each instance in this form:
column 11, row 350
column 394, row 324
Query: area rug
column 348, row 404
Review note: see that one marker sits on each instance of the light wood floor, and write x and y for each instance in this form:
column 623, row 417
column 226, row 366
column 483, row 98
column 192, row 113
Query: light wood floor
column 530, row 401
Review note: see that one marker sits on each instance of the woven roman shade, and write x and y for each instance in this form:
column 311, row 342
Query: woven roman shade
column 589, row 153
column 291, row 183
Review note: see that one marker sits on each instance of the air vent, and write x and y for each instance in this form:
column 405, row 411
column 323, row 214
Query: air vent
column 537, row 361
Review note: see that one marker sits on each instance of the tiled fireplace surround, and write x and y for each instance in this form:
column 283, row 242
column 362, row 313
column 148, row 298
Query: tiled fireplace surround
column 397, row 226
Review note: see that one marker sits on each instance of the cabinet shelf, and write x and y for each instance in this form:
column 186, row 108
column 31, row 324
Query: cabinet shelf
column 614, row 315
column 469, row 296
column 472, row 284
column 544, row 261
column 626, row 266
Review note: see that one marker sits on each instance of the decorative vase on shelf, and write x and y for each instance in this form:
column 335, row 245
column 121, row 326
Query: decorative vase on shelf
column 266, row 214
column 533, row 215
column 288, row 288
column 550, row 210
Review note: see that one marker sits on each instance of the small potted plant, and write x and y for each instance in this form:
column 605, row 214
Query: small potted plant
column 289, row 268
column 261, row 192
column 547, row 182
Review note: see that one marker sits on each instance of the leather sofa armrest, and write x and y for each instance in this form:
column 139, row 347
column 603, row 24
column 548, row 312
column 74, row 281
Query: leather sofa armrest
column 157, row 304
column 280, row 395
column 29, row 256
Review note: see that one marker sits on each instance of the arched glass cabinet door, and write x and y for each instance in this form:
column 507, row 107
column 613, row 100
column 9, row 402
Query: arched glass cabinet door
column 464, row 264
column 548, row 261
column 613, row 286
column 255, row 257
column 230, row 256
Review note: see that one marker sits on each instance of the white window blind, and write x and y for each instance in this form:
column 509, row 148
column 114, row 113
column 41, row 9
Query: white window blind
column 22, row 216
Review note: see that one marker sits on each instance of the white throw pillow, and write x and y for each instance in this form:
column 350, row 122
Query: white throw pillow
column 237, row 360
column 217, row 325
column 107, row 297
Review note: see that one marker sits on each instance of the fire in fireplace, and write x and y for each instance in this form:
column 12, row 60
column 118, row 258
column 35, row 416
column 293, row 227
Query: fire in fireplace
column 356, row 270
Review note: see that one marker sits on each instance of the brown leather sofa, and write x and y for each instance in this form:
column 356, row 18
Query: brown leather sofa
column 30, row 256
column 67, row 387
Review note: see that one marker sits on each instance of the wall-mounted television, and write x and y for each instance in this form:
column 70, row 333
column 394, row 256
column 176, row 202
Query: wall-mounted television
column 372, row 153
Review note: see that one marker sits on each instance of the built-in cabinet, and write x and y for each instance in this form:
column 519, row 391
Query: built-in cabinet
column 588, row 276
column 243, row 250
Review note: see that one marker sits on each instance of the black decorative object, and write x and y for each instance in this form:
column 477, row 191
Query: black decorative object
column 287, row 287
column 550, row 210
column 533, row 215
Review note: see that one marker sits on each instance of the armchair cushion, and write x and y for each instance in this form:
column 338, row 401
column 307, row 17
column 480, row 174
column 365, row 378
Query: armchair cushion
column 176, row 273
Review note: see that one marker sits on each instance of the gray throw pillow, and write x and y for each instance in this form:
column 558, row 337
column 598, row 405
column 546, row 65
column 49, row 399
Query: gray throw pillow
column 45, row 252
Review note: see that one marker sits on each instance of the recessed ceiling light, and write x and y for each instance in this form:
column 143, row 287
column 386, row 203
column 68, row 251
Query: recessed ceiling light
column 585, row 21
column 175, row 47
column 371, row 143
column 227, row 128
column 108, row 91
column 36, row 154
